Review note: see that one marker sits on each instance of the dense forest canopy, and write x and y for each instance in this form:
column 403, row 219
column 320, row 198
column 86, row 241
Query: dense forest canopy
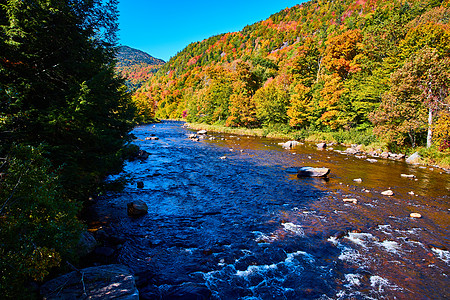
column 321, row 65
column 64, row 122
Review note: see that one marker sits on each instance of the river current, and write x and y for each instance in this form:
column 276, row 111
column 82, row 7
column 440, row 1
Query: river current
column 228, row 214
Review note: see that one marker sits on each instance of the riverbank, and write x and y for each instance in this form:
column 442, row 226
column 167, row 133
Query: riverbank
column 366, row 141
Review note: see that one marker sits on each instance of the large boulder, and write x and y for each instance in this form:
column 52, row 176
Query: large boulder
column 137, row 208
column 290, row 144
column 86, row 244
column 414, row 158
column 103, row 282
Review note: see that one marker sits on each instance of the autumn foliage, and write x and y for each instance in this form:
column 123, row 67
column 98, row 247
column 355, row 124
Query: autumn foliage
column 327, row 65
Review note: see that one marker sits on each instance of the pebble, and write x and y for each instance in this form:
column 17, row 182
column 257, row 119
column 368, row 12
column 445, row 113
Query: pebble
column 223, row 157
column 387, row 193
column 357, row 180
column 411, row 193
column 415, row 215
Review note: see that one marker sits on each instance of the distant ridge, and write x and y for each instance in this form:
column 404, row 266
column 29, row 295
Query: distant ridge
column 128, row 56
column 136, row 66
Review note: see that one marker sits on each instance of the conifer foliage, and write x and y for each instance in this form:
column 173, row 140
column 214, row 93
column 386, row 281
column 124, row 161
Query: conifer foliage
column 64, row 120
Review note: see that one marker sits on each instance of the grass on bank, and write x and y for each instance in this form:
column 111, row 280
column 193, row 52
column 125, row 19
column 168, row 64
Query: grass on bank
column 366, row 138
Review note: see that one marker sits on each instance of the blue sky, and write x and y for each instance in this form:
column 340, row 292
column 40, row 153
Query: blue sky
column 162, row 28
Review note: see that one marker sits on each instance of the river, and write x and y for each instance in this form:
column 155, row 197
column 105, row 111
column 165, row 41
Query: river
column 227, row 213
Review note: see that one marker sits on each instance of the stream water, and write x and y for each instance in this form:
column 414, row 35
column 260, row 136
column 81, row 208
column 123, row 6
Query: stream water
column 229, row 215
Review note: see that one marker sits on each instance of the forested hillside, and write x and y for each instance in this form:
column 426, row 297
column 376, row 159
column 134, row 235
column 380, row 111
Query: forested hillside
column 65, row 119
column 364, row 65
column 136, row 66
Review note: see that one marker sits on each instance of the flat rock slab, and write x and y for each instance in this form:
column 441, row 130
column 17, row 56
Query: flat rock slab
column 103, row 282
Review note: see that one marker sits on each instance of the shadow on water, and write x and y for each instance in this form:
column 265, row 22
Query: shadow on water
column 227, row 213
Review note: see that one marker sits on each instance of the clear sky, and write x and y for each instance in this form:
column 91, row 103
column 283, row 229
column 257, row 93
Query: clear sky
column 164, row 27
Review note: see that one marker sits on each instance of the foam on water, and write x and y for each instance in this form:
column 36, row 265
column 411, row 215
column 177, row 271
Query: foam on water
column 380, row 283
column 297, row 229
column 353, row 279
column 390, row 246
column 442, row 254
column 360, row 238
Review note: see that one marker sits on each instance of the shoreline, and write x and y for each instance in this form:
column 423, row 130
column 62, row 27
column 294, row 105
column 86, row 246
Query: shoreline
column 369, row 150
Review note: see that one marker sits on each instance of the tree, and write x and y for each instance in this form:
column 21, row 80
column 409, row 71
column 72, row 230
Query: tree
column 65, row 119
column 419, row 90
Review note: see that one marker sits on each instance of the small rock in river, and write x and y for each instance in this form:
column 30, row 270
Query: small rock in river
column 321, row 146
column 202, row 132
column 387, row 193
column 411, row 193
column 137, row 208
column 371, row 160
column 223, row 157
column 351, row 200
column 357, row 180
column 415, row 215
column 408, row 176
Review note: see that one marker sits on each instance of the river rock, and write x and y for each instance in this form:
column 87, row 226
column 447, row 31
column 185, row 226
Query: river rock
column 357, row 180
column 384, row 155
column 312, row 172
column 371, row 160
column 408, row 176
column 290, row 144
column 351, row 151
column 351, row 200
column 202, row 132
column 137, row 208
column 192, row 136
column 152, row 138
column 189, row 290
column 103, row 282
column 387, row 193
column 140, row 154
column 414, row 158
column 321, row 146
column 86, row 244
column 415, row 215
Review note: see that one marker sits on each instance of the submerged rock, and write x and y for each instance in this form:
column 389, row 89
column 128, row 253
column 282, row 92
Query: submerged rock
column 137, row 208
column 103, row 282
column 415, row 215
column 312, row 172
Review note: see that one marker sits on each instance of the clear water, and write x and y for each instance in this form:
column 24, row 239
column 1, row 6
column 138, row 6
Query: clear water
column 249, row 229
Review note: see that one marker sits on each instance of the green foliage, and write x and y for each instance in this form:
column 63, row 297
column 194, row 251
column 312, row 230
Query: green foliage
column 38, row 224
column 64, row 121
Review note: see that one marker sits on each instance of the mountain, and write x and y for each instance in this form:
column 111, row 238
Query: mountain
column 321, row 65
column 128, row 56
column 136, row 66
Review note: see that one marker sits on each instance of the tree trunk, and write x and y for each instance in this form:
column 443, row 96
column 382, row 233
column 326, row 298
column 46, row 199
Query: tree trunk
column 430, row 132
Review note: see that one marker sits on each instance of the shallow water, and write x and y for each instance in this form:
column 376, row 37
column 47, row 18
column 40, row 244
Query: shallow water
column 247, row 228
